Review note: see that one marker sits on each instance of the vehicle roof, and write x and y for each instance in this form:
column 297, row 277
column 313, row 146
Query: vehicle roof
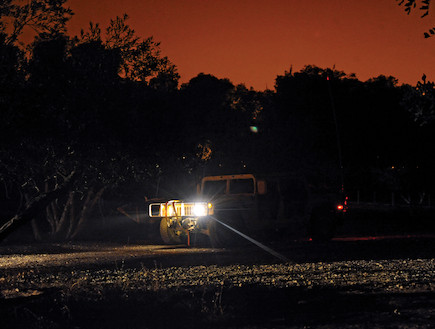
column 226, row 177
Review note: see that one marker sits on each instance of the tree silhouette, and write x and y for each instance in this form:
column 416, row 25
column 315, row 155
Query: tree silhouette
column 68, row 110
column 43, row 16
column 304, row 118
column 375, row 131
column 420, row 101
column 141, row 58
column 424, row 7
column 214, row 120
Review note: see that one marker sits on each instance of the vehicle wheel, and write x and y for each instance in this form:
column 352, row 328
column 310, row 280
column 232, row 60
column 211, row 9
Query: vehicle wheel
column 167, row 233
column 322, row 226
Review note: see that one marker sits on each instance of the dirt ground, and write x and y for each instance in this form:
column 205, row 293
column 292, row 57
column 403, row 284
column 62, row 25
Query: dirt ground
column 379, row 282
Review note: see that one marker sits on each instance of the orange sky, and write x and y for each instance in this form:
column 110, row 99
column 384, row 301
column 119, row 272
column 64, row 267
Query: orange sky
column 252, row 41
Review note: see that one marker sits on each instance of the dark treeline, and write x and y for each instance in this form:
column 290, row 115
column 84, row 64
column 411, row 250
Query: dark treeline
column 106, row 110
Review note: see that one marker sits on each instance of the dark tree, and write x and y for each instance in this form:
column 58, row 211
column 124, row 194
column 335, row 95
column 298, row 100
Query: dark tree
column 141, row 59
column 420, row 101
column 42, row 16
column 423, row 6
column 71, row 111
column 216, row 117
column 322, row 113
column 304, row 119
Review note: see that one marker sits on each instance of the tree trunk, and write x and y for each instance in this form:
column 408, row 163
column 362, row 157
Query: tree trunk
column 62, row 222
column 72, row 217
column 35, row 227
column 36, row 231
column 34, row 207
column 87, row 208
column 50, row 212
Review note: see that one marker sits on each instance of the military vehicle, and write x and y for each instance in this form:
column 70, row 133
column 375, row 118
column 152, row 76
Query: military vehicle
column 260, row 206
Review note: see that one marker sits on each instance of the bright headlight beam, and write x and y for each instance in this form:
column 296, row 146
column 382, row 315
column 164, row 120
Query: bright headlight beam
column 257, row 243
column 200, row 210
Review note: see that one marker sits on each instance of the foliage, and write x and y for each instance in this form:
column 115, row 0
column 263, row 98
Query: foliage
column 375, row 131
column 420, row 101
column 412, row 4
column 303, row 121
column 66, row 109
column 141, row 59
column 43, row 16
column 424, row 7
column 216, row 116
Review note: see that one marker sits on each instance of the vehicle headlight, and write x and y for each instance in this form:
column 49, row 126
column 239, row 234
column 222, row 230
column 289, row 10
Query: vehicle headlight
column 170, row 211
column 200, row 209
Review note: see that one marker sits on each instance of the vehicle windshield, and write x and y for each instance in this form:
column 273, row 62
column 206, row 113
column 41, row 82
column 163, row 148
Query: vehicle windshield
column 213, row 188
column 238, row 186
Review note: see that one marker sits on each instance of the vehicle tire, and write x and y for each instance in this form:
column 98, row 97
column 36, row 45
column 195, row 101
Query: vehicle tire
column 322, row 225
column 168, row 234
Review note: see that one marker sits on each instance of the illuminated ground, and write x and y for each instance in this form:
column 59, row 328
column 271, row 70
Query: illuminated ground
column 352, row 283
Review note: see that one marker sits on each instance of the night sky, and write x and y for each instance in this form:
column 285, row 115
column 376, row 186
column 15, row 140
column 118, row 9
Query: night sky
column 252, row 41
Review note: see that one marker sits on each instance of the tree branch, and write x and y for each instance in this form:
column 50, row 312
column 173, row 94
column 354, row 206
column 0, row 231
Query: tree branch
column 34, row 207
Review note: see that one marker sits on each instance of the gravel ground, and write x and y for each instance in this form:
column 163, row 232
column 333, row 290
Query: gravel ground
column 58, row 288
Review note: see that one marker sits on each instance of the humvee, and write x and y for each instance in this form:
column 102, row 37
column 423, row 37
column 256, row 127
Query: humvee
column 269, row 206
